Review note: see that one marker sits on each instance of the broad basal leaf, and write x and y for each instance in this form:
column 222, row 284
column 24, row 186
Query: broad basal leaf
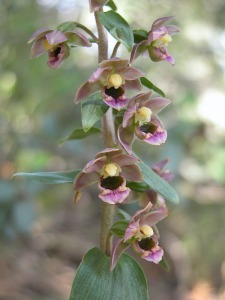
column 159, row 185
column 94, row 281
column 92, row 110
column 50, row 177
column 79, row 134
column 151, row 86
column 118, row 27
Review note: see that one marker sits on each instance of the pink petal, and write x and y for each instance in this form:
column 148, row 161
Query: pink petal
column 153, row 217
column 84, row 180
column 87, row 89
column 157, row 104
column 115, row 63
column 172, row 29
column 129, row 114
column 118, row 248
column 126, row 138
column 95, row 165
column 38, row 34
column 161, row 21
column 37, row 48
column 108, row 152
column 100, row 74
column 141, row 212
column 133, row 84
column 124, row 159
column 138, row 50
column 130, row 73
column 56, row 37
column 155, row 255
column 114, row 196
column 131, row 230
column 132, row 173
column 159, row 166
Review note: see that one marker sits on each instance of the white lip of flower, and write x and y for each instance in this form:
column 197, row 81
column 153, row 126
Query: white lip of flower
column 143, row 232
column 111, row 169
column 143, row 115
column 115, row 80
column 163, row 41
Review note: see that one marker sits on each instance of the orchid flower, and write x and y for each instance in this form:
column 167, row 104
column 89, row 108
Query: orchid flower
column 113, row 77
column 158, row 39
column 110, row 169
column 141, row 234
column 56, row 44
column 141, row 121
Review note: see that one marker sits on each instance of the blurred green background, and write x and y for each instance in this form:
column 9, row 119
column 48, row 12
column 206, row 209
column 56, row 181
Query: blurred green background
column 43, row 234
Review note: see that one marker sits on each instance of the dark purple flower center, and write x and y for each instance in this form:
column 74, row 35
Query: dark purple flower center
column 55, row 52
column 148, row 128
column 147, row 244
column 114, row 93
column 112, row 182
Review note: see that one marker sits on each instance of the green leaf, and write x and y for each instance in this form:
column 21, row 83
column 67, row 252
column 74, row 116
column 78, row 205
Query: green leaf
column 50, row 177
column 79, row 134
column 140, row 35
column 158, row 184
column 137, row 186
column 118, row 27
column 151, row 86
column 94, row 281
column 67, row 26
column 92, row 110
column 119, row 228
column 111, row 4
column 164, row 264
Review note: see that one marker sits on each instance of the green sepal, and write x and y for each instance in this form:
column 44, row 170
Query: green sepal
column 92, row 109
column 159, row 185
column 111, row 4
column 79, row 134
column 118, row 27
column 50, row 177
column 94, row 281
column 147, row 83
column 119, row 227
column 67, row 26
column 140, row 35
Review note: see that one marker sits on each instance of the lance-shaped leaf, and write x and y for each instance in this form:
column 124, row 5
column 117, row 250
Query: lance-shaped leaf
column 118, row 27
column 94, row 281
column 92, row 110
column 151, row 86
column 79, row 134
column 50, row 177
column 164, row 264
column 159, row 185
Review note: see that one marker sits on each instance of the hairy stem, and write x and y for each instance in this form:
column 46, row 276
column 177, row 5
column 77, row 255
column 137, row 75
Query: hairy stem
column 109, row 140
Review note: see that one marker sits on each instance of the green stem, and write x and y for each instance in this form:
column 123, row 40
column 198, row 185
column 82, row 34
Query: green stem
column 115, row 49
column 88, row 31
column 109, row 140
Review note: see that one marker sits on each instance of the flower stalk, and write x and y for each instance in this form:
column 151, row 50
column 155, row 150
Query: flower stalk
column 108, row 129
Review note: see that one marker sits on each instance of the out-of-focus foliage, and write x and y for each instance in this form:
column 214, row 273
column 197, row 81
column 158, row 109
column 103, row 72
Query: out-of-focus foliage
column 40, row 228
